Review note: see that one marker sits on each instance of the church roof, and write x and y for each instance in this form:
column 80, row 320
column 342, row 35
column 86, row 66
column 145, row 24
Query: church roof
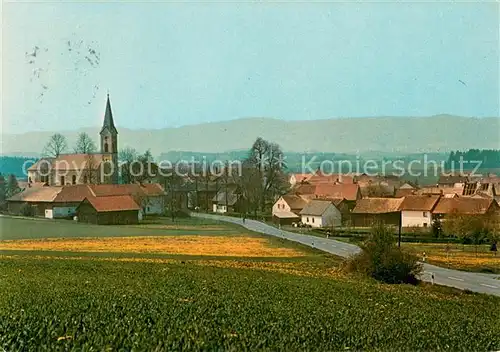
column 108, row 119
column 70, row 162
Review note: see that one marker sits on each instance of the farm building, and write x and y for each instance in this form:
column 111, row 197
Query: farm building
column 285, row 217
column 321, row 213
column 416, row 211
column 110, row 210
column 466, row 206
column 228, row 202
column 371, row 211
column 40, row 198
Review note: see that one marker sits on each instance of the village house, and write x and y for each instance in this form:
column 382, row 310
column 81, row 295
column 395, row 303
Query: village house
column 228, row 202
column 416, row 211
column 287, row 208
column 349, row 192
column 321, row 213
column 466, row 206
column 116, row 210
column 289, row 203
column 71, row 169
column 371, row 211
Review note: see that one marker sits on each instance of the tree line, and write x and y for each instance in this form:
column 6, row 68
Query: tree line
column 489, row 158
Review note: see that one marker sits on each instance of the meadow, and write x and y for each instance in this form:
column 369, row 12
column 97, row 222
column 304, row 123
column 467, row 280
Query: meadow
column 271, row 295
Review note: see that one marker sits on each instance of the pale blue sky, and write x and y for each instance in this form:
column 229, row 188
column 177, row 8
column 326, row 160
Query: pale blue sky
column 173, row 64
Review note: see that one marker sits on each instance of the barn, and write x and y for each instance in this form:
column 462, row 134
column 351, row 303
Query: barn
column 112, row 210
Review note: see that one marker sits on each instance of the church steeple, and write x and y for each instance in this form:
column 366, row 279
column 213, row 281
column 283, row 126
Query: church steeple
column 109, row 124
column 109, row 143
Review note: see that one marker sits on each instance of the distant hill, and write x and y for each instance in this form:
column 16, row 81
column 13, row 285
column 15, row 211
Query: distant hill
column 441, row 133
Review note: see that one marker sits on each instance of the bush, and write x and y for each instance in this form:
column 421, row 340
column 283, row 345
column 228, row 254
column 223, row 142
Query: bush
column 381, row 259
column 27, row 210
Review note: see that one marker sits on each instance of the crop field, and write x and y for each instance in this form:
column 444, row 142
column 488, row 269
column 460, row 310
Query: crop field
column 457, row 256
column 225, row 289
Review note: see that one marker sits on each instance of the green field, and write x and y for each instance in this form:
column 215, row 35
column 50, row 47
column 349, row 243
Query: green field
column 58, row 300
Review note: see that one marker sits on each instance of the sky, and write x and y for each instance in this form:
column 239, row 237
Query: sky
column 169, row 64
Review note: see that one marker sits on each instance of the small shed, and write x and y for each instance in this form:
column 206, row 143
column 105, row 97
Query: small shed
column 112, row 210
column 285, row 217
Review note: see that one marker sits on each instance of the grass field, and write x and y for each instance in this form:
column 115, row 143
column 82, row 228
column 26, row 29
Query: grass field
column 247, row 292
column 464, row 257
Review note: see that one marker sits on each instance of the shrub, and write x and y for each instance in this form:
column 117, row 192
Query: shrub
column 27, row 210
column 381, row 259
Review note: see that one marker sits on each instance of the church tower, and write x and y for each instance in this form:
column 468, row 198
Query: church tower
column 109, row 142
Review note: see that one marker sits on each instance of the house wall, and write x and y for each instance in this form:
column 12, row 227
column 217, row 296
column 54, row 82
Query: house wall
column 368, row 220
column 86, row 213
column 219, row 208
column 332, row 217
column 64, row 211
column 126, row 217
column 313, row 221
column 280, row 206
column 154, row 205
column 416, row 218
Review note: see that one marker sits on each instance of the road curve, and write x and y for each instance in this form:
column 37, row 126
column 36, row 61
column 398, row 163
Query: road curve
column 476, row 282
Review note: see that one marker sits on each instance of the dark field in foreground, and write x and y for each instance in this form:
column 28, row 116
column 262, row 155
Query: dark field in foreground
column 103, row 303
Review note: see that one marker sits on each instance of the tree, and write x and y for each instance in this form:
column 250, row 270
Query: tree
column 85, row 144
column 250, row 185
column 126, row 157
column 56, row 145
column 268, row 160
column 12, row 186
column 90, row 174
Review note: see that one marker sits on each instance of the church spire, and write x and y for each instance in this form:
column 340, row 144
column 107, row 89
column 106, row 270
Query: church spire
column 108, row 119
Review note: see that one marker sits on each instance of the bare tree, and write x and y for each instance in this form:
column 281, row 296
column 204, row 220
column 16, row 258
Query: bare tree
column 127, row 157
column 90, row 172
column 85, row 144
column 268, row 159
column 56, row 145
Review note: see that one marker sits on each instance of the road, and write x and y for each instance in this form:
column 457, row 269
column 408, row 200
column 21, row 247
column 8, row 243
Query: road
column 476, row 282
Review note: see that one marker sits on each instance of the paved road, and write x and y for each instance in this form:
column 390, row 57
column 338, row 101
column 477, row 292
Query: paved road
column 477, row 282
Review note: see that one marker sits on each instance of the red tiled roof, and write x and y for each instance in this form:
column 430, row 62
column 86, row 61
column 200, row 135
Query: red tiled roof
column 403, row 192
column 37, row 194
column 347, row 191
column 113, row 203
column 463, row 205
column 424, row 203
column 152, row 189
column 377, row 205
column 74, row 194
column 148, row 189
column 71, row 162
column 294, row 201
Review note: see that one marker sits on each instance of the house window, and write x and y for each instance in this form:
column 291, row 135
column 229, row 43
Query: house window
column 425, row 224
column 307, row 219
column 62, row 180
column 312, row 220
column 73, row 179
column 105, row 147
column 424, row 214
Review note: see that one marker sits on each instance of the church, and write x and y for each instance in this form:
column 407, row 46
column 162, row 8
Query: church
column 93, row 168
